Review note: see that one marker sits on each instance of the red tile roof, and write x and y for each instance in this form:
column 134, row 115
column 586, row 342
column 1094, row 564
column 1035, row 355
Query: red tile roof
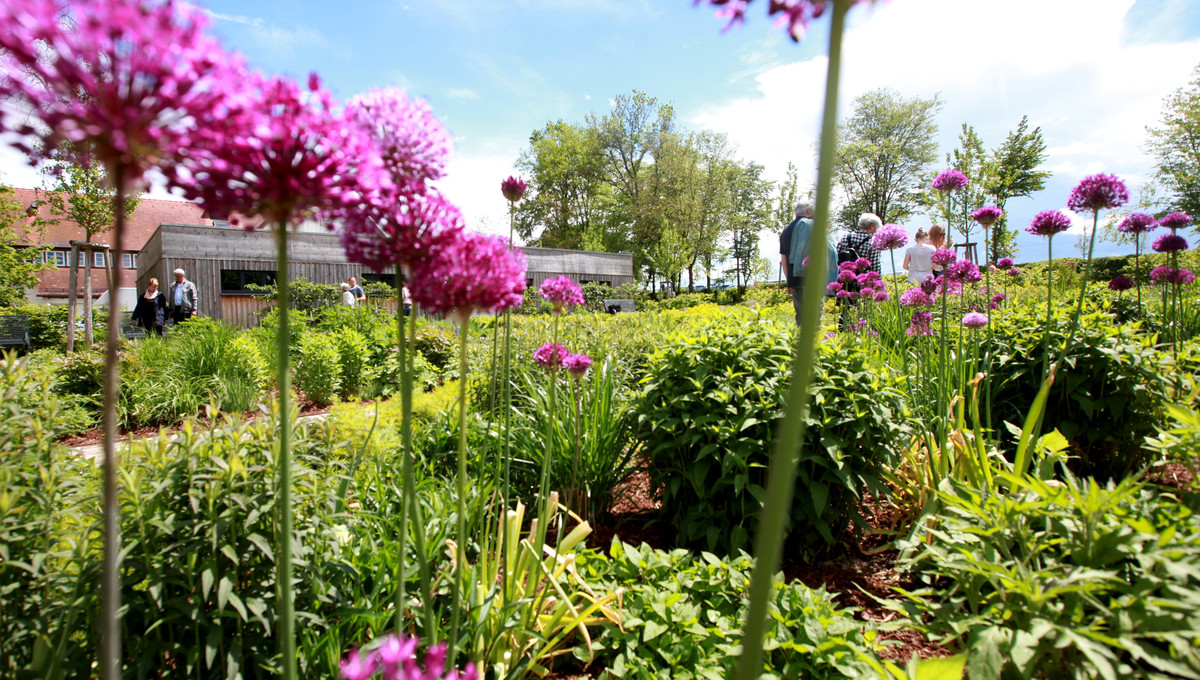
column 150, row 212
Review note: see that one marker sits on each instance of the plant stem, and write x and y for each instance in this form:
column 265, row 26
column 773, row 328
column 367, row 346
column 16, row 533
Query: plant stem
column 110, row 626
column 790, row 435
column 464, row 325
column 286, row 628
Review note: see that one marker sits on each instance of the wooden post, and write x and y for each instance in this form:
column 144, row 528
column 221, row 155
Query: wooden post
column 87, row 298
column 72, row 296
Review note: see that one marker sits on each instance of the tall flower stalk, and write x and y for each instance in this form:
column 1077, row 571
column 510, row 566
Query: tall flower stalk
column 513, row 190
column 947, row 182
column 1135, row 225
column 790, row 436
column 1094, row 193
column 127, row 79
column 476, row 273
column 1048, row 223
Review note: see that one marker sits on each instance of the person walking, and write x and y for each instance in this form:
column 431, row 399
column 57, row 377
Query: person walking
column 360, row 295
column 183, row 298
column 794, row 251
column 348, row 298
column 916, row 258
column 151, row 310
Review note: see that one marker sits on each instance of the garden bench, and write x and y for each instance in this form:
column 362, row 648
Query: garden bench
column 14, row 330
column 614, row 306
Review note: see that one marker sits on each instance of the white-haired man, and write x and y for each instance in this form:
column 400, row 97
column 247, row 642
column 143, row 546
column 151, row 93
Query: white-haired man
column 183, row 298
column 794, row 251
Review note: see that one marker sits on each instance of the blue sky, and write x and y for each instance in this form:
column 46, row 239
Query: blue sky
column 1091, row 73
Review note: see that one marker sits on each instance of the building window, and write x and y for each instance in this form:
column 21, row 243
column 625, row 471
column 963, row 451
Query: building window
column 128, row 260
column 233, row 281
column 370, row 277
column 98, row 258
column 58, row 257
column 220, row 223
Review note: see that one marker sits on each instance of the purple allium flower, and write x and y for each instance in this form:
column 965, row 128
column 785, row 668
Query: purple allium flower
column 889, row 237
column 1014, row 272
column 134, row 79
column 411, row 141
column 562, row 293
column 943, row 256
column 1098, row 192
column 963, row 271
column 1120, row 283
column 917, row 330
column 418, row 227
column 357, row 666
column 929, row 285
column 922, row 318
column 795, row 14
column 882, row 296
column 1170, row 243
column 1004, row 262
column 833, row 288
column 577, row 364
column 396, row 657
column 396, row 651
column 283, row 154
column 476, row 272
column 1137, row 223
column 1184, row 277
column 987, row 215
column 916, row 297
column 949, row 180
column 998, row 298
column 862, row 264
column 974, row 320
column 847, row 276
column 848, row 266
column 1171, row 275
column 1175, row 220
column 551, row 355
column 513, row 189
column 844, row 295
column 1049, row 223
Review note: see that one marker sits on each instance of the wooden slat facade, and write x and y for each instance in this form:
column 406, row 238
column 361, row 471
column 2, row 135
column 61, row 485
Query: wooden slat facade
column 204, row 252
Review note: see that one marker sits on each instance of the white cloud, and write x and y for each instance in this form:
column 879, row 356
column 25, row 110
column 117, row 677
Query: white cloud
column 461, row 93
column 472, row 183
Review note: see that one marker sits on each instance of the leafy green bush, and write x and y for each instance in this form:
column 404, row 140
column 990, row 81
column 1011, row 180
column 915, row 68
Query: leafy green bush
column 1114, row 375
column 352, row 349
column 1074, row 579
column 81, row 373
column 47, row 325
column 382, row 377
column 707, row 415
column 682, row 616
column 685, row 300
column 438, row 344
column 318, row 371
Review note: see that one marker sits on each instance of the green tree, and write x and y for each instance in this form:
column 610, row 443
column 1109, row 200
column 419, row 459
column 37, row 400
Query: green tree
column 1012, row 172
column 19, row 264
column 77, row 188
column 1175, row 144
column 789, row 195
column 883, row 155
column 751, row 210
column 569, row 194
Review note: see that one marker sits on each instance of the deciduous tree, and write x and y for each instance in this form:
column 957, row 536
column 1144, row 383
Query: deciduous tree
column 1175, row 144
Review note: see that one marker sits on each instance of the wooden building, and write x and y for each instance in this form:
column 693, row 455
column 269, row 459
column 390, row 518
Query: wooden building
column 222, row 260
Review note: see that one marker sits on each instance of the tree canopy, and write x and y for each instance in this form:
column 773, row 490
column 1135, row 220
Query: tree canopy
column 1175, row 144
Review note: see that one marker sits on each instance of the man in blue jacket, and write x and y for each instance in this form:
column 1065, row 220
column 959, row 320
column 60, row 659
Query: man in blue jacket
column 794, row 250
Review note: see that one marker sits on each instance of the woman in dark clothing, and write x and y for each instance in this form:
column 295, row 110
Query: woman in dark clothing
column 151, row 310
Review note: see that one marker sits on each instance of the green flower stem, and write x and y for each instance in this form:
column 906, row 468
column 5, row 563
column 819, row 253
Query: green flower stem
column 987, row 356
column 110, row 603
column 1049, row 306
column 284, row 608
column 460, row 550
column 1137, row 270
column 789, row 439
column 943, row 400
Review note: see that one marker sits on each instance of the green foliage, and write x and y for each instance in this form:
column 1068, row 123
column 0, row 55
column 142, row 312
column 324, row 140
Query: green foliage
column 78, row 189
column 438, row 344
column 594, row 295
column 382, row 377
column 707, row 415
column 1073, row 579
column 1173, row 144
column 18, row 264
column 352, row 349
column 681, row 617
column 47, row 325
column 319, row 370
column 1112, row 375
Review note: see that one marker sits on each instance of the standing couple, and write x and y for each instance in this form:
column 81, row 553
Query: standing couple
column 151, row 310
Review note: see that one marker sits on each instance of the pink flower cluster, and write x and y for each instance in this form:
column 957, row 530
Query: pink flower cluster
column 1137, row 223
column 987, row 215
column 950, row 180
column 474, row 273
column 974, row 320
column 1165, row 275
column 1175, row 220
column 553, row 355
column 135, row 79
column 889, row 237
column 795, row 14
column 1169, row 243
column 562, row 293
column 856, row 280
column 395, row 658
column 1049, row 223
column 513, row 189
column 1120, row 283
column 1098, row 192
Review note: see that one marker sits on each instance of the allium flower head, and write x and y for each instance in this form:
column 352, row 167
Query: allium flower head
column 963, row 271
column 987, row 215
column 1137, row 223
column 476, row 272
column 844, row 295
column 833, row 288
column 134, row 79
column 577, row 364
column 411, row 141
column 513, row 188
column 1004, row 262
column 950, row 180
column 916, row 297
column 284, row 154
column 1098, row 192
column 943, row 256
column 929, row 285
column 1169, row 243
column 889, row 237
column 395, row 657
column 795, row 14
column 848, row 266
column 1171, row 275
column 974, row 320
column 1014, row 272
column 998, row 298
column 416, row 227
column 562, row 293
column 551, row 355
column 847, row 276
column 1120, row 283
column 1049, row 223
column 862, row 264
column 1175, row 220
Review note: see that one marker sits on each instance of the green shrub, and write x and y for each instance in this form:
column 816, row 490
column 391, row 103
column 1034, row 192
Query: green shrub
column 318, row 370
column 352, row 355
column 1071, row 580
column 1114, row 375
column 438, row 344
column 382, row 377
column 81, row 373
column 47, row 325
column 682, row 617
column 707, row 415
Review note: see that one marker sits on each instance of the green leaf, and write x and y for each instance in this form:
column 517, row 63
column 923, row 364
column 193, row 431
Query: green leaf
column 945, row 668
column 652, row 630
